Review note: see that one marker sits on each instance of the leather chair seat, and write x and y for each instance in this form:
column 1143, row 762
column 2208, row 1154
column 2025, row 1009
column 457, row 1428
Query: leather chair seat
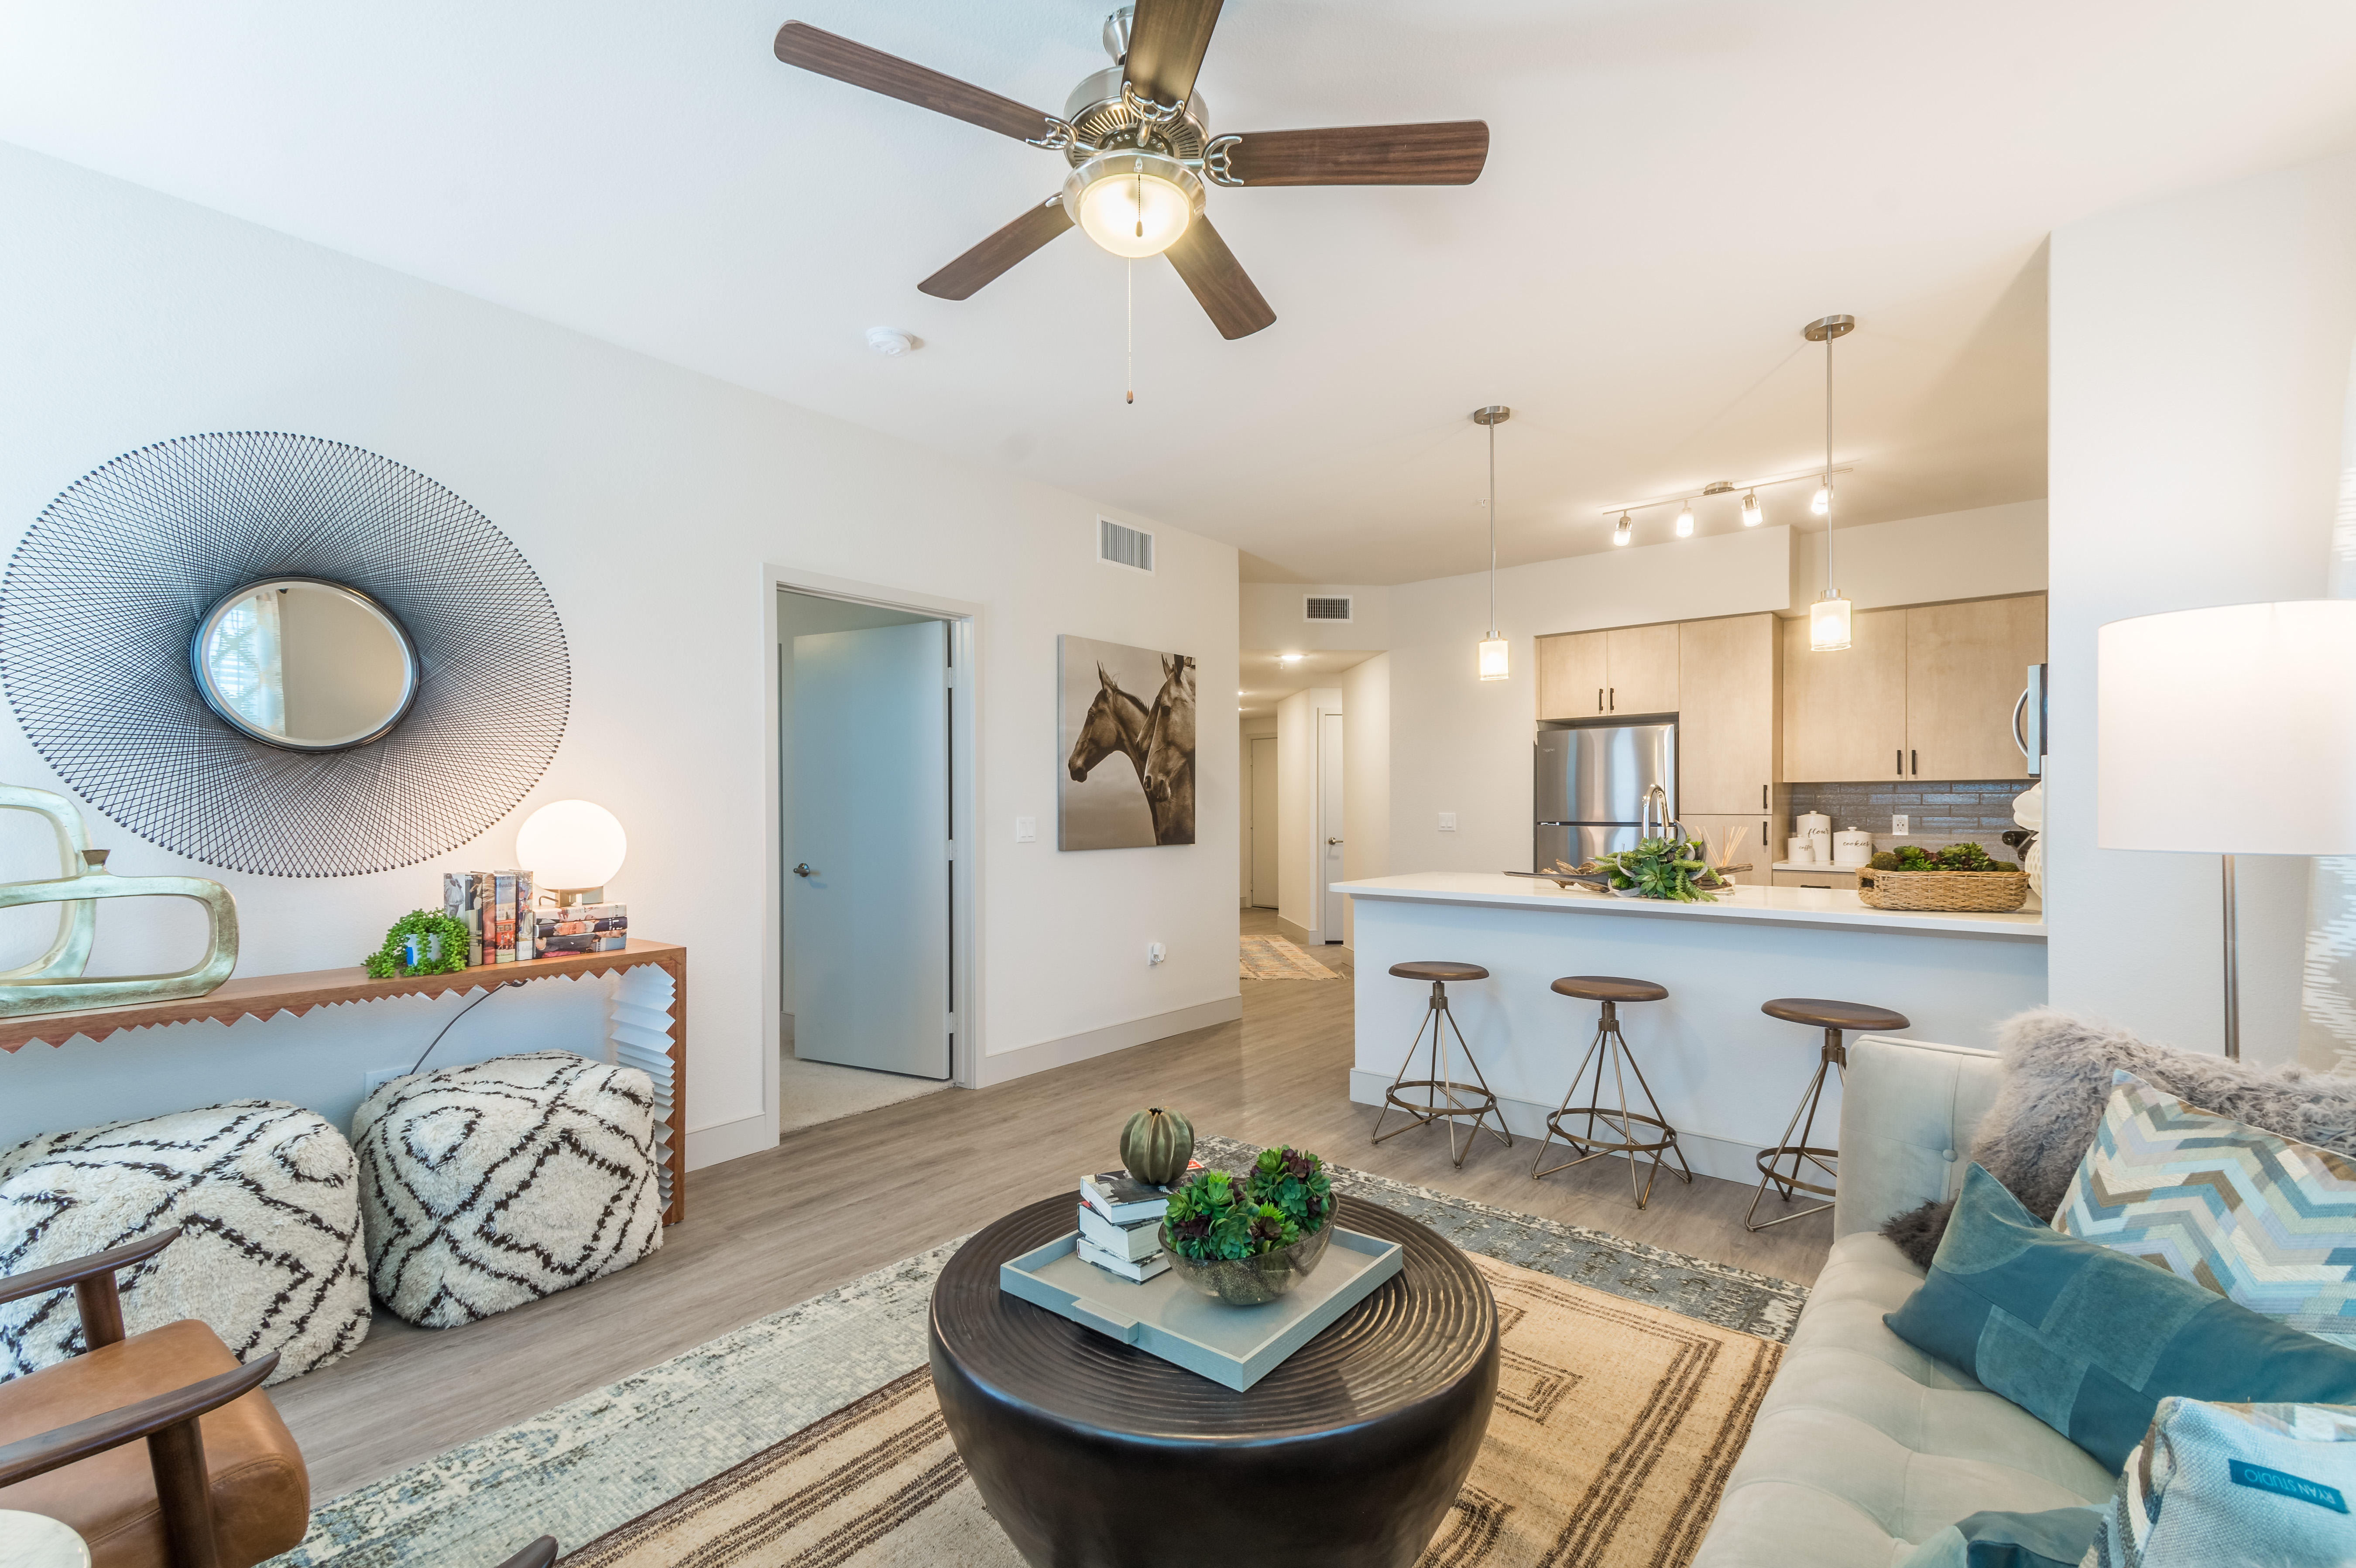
column 262, row 1493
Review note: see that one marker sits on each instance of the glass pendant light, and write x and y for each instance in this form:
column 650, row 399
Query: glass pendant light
column 1828, row 617
column 1750, row 510
column 1492, row 646
column 1685, row 521
column 1621, row 534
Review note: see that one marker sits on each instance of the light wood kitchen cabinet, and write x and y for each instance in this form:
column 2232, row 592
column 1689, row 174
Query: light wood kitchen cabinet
column 1844, row 713
column 1571, row 680
column 1728, row 683
column 1821, row 877
column 1639, row 672
column 1712, row 829
column 1965, row 669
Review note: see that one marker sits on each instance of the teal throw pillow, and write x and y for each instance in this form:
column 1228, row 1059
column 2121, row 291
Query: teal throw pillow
column 2090, row 1340
column 2215, row 1484
column 2057, row 1538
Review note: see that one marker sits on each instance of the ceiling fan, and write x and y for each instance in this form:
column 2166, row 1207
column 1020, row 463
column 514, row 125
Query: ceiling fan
column 1139, row 141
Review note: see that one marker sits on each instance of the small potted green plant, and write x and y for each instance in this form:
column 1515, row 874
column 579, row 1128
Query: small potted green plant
column 1247, row 1240
column 1674, row 868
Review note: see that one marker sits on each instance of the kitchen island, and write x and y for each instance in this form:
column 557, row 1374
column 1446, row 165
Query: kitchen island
column 1726, row 1074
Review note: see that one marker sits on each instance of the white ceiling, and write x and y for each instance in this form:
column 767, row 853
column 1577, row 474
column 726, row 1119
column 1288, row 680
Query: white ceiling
column 1266, row 679
column 1674, row 187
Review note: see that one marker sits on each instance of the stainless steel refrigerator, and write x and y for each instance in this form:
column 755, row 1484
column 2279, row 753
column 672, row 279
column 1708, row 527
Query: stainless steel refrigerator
column 1593, row 781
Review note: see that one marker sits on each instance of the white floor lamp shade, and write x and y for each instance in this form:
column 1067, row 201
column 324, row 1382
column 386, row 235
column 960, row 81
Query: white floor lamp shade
column 2228, row 731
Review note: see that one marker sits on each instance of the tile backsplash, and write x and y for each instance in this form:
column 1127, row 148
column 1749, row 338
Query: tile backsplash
column 1938, row 813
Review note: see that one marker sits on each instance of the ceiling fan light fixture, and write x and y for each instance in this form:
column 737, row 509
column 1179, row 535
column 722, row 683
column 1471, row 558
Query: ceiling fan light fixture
column 1131, row 203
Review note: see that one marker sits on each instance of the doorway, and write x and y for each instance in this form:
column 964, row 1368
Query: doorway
column 867, row 933
column 1262, row 799
column 1329, row 826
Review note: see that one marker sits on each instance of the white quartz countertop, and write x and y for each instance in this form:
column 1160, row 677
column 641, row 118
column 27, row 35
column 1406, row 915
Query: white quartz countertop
column 1833, row 907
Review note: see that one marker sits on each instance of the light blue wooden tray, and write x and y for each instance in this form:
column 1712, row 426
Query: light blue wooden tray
column 1166, row 1317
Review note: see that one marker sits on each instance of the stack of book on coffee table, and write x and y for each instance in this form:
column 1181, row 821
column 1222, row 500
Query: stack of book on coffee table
column 1120, row 1224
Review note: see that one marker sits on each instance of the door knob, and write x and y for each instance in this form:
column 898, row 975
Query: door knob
column 804, row 869
column 1332, row 841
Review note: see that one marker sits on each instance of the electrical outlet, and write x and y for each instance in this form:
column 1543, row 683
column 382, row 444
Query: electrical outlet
column 1447, row 822
column 1898, row 828
column 1155, row 953
column 377, row 1075
column 1026, row 830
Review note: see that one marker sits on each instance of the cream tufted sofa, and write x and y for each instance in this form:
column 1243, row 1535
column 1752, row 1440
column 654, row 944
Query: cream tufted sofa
column 1865, row 1445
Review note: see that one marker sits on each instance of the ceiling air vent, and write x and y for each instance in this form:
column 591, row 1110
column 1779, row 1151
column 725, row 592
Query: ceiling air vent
column 1319, row 607
column 1118, row 546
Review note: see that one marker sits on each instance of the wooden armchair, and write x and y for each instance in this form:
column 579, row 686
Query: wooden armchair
column 221, row 1484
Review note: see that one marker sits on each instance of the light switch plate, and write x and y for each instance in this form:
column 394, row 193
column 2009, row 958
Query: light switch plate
column 1026, row 830
column 1155, row 953
column 1898, row 828
column 1447, row 822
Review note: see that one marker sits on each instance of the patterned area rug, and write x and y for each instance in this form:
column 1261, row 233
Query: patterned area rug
column 591, row 1466
column 1274, row 958
column 1614, row 1427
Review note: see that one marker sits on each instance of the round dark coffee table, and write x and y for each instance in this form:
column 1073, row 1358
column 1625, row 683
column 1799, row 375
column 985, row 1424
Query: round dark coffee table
column 1093, row 1454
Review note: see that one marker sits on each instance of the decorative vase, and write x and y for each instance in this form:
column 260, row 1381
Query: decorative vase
column 1156, row 1145
column 1254, row 1282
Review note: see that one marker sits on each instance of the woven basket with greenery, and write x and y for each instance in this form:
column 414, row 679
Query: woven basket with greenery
column 1978, row 892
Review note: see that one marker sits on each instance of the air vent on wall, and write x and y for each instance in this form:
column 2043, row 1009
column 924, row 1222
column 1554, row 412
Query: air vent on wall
column 1318, row 607
column 1119, row 545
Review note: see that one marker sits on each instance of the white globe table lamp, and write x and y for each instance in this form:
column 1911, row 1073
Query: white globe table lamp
column 2284, row 676
column 572, row 848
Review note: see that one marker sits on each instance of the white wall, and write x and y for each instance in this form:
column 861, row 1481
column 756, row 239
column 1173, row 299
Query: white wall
column 1365, row 778
column 1296, row 811
column 653, row 502
column 1272, row 617
column 1976, row 554
column 2199, row 363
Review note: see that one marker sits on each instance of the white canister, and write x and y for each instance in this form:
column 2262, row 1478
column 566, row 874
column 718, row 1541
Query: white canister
column 1817, row 827
column 1852, row 847
column 1801, row 851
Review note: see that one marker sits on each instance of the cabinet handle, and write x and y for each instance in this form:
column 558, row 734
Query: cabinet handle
column 1916, row 767
column 1616, row 699
column 1599, row 699
column 1762, row 797
column 1899, row 760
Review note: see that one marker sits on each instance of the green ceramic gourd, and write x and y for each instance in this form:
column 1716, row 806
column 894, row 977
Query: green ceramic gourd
column 1156, row 1145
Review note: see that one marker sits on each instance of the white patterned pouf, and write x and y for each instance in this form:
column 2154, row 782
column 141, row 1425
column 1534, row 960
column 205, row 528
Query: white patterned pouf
column 489, row 1186
column 267, row 1200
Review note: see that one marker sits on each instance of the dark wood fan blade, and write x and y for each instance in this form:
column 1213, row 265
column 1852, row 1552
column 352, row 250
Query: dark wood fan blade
column 966, row 276
column 1451, row 153
column 813, row 48
column 1218, row 281
column 1166, row 40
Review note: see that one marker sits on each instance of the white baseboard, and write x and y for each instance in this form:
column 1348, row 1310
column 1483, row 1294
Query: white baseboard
column 1722, row 1158
column 1002, row 1066
column 729, row 1140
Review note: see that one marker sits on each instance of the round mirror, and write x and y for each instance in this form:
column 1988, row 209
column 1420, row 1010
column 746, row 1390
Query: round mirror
column 304, row 664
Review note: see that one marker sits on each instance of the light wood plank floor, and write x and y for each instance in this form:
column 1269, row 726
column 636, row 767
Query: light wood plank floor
column 834, row 1201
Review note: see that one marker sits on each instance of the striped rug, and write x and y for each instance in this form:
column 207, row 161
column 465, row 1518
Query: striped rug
column 1274, row 958
column 1614, row 1427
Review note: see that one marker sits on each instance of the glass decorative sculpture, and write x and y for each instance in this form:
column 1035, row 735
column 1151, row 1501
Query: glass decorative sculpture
column 54, row 983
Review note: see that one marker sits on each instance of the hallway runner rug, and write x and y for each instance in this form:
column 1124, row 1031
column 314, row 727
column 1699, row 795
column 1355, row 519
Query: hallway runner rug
column 808, row 1375
column 1274, row 958
column 1614, row 1427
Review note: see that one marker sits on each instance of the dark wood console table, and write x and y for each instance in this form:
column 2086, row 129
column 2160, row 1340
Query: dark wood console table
column 267, row 996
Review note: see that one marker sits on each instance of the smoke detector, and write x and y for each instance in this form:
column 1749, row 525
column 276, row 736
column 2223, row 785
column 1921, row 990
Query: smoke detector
column 891, row 342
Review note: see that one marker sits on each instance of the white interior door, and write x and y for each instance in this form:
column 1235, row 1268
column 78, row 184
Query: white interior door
column 1329, row 825
column 1263, row 822
column 871, row 830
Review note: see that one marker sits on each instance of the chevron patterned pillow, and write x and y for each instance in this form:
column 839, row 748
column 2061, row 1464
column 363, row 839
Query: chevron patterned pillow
column 2266, row 1222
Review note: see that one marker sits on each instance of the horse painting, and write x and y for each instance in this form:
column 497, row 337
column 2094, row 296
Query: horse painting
column 1151, row 802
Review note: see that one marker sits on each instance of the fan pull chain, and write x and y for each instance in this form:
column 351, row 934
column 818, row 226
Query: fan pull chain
column 1132, row 329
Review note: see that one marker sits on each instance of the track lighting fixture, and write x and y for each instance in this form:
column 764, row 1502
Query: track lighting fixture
column 1620, row 534
column 1685, row 521
column 1821, row 503
column 1750, row 510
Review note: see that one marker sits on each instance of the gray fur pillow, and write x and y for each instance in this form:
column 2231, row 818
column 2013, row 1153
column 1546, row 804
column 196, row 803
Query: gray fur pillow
column 2057, row 1074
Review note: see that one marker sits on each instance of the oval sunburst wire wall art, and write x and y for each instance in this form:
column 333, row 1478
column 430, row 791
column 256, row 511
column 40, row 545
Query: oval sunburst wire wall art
column 103, row 594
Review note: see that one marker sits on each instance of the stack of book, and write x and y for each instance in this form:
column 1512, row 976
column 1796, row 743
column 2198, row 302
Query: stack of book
column 1121, row 1223
column 584, row 928
column 496, row 908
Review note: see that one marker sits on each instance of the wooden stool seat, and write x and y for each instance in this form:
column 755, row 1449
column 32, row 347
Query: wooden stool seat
column 1442, row 1098
column 1834, row 1015
column 1609, row 988
column 1439, row 969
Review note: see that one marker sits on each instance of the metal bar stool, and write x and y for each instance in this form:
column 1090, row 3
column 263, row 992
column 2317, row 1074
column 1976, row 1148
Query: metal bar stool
column 1832, row 1018
column 1610, row 1045
column 1460, row 1099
